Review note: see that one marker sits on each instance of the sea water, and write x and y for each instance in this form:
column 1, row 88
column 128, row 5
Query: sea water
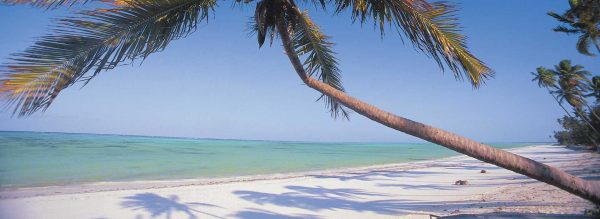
column 30, row 159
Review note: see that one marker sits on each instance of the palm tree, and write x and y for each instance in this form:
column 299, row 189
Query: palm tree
column 574, row 84
column 595, row 88
column 583, row 17
column 97, row 40
column 547, row 79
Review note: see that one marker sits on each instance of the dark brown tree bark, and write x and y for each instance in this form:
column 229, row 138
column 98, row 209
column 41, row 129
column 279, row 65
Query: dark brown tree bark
column 589, row 190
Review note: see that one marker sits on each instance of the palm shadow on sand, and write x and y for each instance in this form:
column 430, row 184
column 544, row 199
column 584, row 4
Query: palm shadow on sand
column 317, row 199
column 156, row 205
column 254, row 213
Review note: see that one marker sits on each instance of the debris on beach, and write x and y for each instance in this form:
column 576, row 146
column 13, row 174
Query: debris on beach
column 483, row 171
column 461, row 182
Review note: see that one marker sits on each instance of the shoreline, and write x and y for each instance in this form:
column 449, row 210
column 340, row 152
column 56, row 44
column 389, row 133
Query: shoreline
column 412, row 190
column 107, row 186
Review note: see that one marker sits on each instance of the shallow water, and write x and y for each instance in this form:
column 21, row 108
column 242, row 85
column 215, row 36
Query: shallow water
column 42, row 159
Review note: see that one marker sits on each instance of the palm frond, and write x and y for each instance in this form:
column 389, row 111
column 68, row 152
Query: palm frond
column 268, row 14
column 566, row 30
column 265, row 17
column 93, row 41
column 431, row 27
column 545, row 78
column 582, row 17
column 561, row 18
column 320, row 60
column 573, row 98
column 583, row 44
column 573, row 83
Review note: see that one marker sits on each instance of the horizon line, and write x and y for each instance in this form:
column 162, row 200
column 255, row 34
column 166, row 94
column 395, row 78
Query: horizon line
column 271, row 140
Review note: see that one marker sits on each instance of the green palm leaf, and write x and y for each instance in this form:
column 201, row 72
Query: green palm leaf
column 573, row 83
column 94, row 41
column 320, row 60
column 582, row 17
column 545, row 78
column 583, row 44
column 561, row 18
column 431, row 27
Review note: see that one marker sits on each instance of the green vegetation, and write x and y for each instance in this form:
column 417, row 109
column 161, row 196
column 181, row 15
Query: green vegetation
column 583, row 17
column 572, row 84
column 578, row 132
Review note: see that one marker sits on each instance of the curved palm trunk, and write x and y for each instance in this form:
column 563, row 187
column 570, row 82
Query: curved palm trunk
column 589, row 190
column 560, row 104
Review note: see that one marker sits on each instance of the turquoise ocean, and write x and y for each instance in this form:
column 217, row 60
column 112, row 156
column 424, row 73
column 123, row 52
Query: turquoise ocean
column 29, row 159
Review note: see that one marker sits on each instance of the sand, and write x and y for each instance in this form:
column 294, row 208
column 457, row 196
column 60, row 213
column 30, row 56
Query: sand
column 409, row 190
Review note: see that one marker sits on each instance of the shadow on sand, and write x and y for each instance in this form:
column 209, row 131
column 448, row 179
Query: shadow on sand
column 375, row 175
column 254, row 213
column 503, row 215
column 316, row 199
column 319, row 198
column 157, row 206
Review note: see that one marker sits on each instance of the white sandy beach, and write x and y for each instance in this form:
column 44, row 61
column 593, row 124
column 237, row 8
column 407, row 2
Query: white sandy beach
column 411, row 190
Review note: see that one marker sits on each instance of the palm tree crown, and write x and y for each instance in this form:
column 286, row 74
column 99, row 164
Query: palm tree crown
column 545, row 77
column 573, row 83
column 82, row 46
column 568, row 82
column 583, row 17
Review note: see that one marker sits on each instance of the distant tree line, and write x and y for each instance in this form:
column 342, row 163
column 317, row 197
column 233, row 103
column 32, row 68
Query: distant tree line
column 572, row 84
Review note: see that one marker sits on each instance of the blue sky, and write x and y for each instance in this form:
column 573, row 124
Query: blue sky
column 217, row 83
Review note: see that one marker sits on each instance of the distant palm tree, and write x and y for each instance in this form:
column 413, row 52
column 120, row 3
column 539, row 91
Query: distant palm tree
column 547, row 79
column 573, row 86
column 93, row 41
column 572, row 81
column 595, row 88
column 583, row 17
